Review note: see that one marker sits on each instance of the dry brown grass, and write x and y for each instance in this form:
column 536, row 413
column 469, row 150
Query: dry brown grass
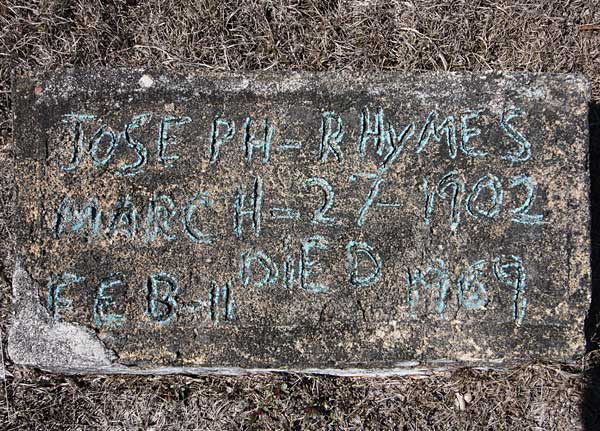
column 548, row 36
column 535, row 397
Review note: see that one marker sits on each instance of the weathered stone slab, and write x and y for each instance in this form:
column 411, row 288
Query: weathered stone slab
column 328, row 222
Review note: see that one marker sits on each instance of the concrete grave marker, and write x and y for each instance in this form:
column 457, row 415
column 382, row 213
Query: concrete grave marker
column 333, row 222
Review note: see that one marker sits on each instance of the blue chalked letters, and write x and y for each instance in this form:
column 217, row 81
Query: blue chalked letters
column 83, row 219
column 523, row 153
column 521, row 213
column 56, row 285
column 104, row 301
column 255, row 213
column 97, row 139
column 472, row 293
column 492, row 183
column 151, row 217
column 453, row 181
column 166, row 138
column 373, row 130
column 319, row 215
column 509, row 271
column 263, row 144
column 420, row 279
column 468, row 133
column 78, row 138
column 162, row 292
column 432, row 130
column 125, row 218
column 200, row 200
column 308, row 265
column 221, row 303
column 249, row 261
column 141, row 152
column 219, row 138
column 354, row 251
column 160, row 213
column 331, row 137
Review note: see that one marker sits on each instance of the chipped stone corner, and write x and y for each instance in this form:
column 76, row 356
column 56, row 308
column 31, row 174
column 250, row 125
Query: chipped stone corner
column 34, row 339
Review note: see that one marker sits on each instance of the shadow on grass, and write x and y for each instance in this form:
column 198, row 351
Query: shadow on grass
column 590, row 408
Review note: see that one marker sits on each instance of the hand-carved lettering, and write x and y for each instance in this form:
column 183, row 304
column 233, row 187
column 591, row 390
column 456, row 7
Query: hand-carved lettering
column 77, row 138
column 331, row 137
column 160, row 213
column 396, row 146
column 370, row 199
column 200, row 200
column 124, row 219
column 218, row 137
column 509, row 271
column 221, row 303
column 356, row 271
column 84, row 219
column 472, row 292
column 453, row 181
column 523, row 153
column 141, row 152
column 166, row 138
column 308, row 265
column 249, row 261
column 521, row 213
column 105, row 310
column 491, row 183
column 374, row 131
column 434, row 278
column 162, row 292
column 431, row 129
column 468, row 133
column 56, row 285
column 319, row 215
column 263, row 144
column 97, row 139
column 254, row 213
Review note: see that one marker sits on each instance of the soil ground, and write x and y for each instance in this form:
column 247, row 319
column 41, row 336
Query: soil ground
column 540, row 36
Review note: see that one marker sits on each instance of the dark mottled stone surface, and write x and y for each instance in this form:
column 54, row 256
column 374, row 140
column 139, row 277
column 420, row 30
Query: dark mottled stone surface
column 394, row 219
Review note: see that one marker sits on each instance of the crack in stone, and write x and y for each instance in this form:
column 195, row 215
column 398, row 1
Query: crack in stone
column 34, row 339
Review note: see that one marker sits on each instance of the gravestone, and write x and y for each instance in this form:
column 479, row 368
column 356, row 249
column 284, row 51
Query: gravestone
column 338, row 223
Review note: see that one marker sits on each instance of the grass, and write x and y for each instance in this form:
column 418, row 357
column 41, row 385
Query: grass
column 542, row 36
column 530, row 397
